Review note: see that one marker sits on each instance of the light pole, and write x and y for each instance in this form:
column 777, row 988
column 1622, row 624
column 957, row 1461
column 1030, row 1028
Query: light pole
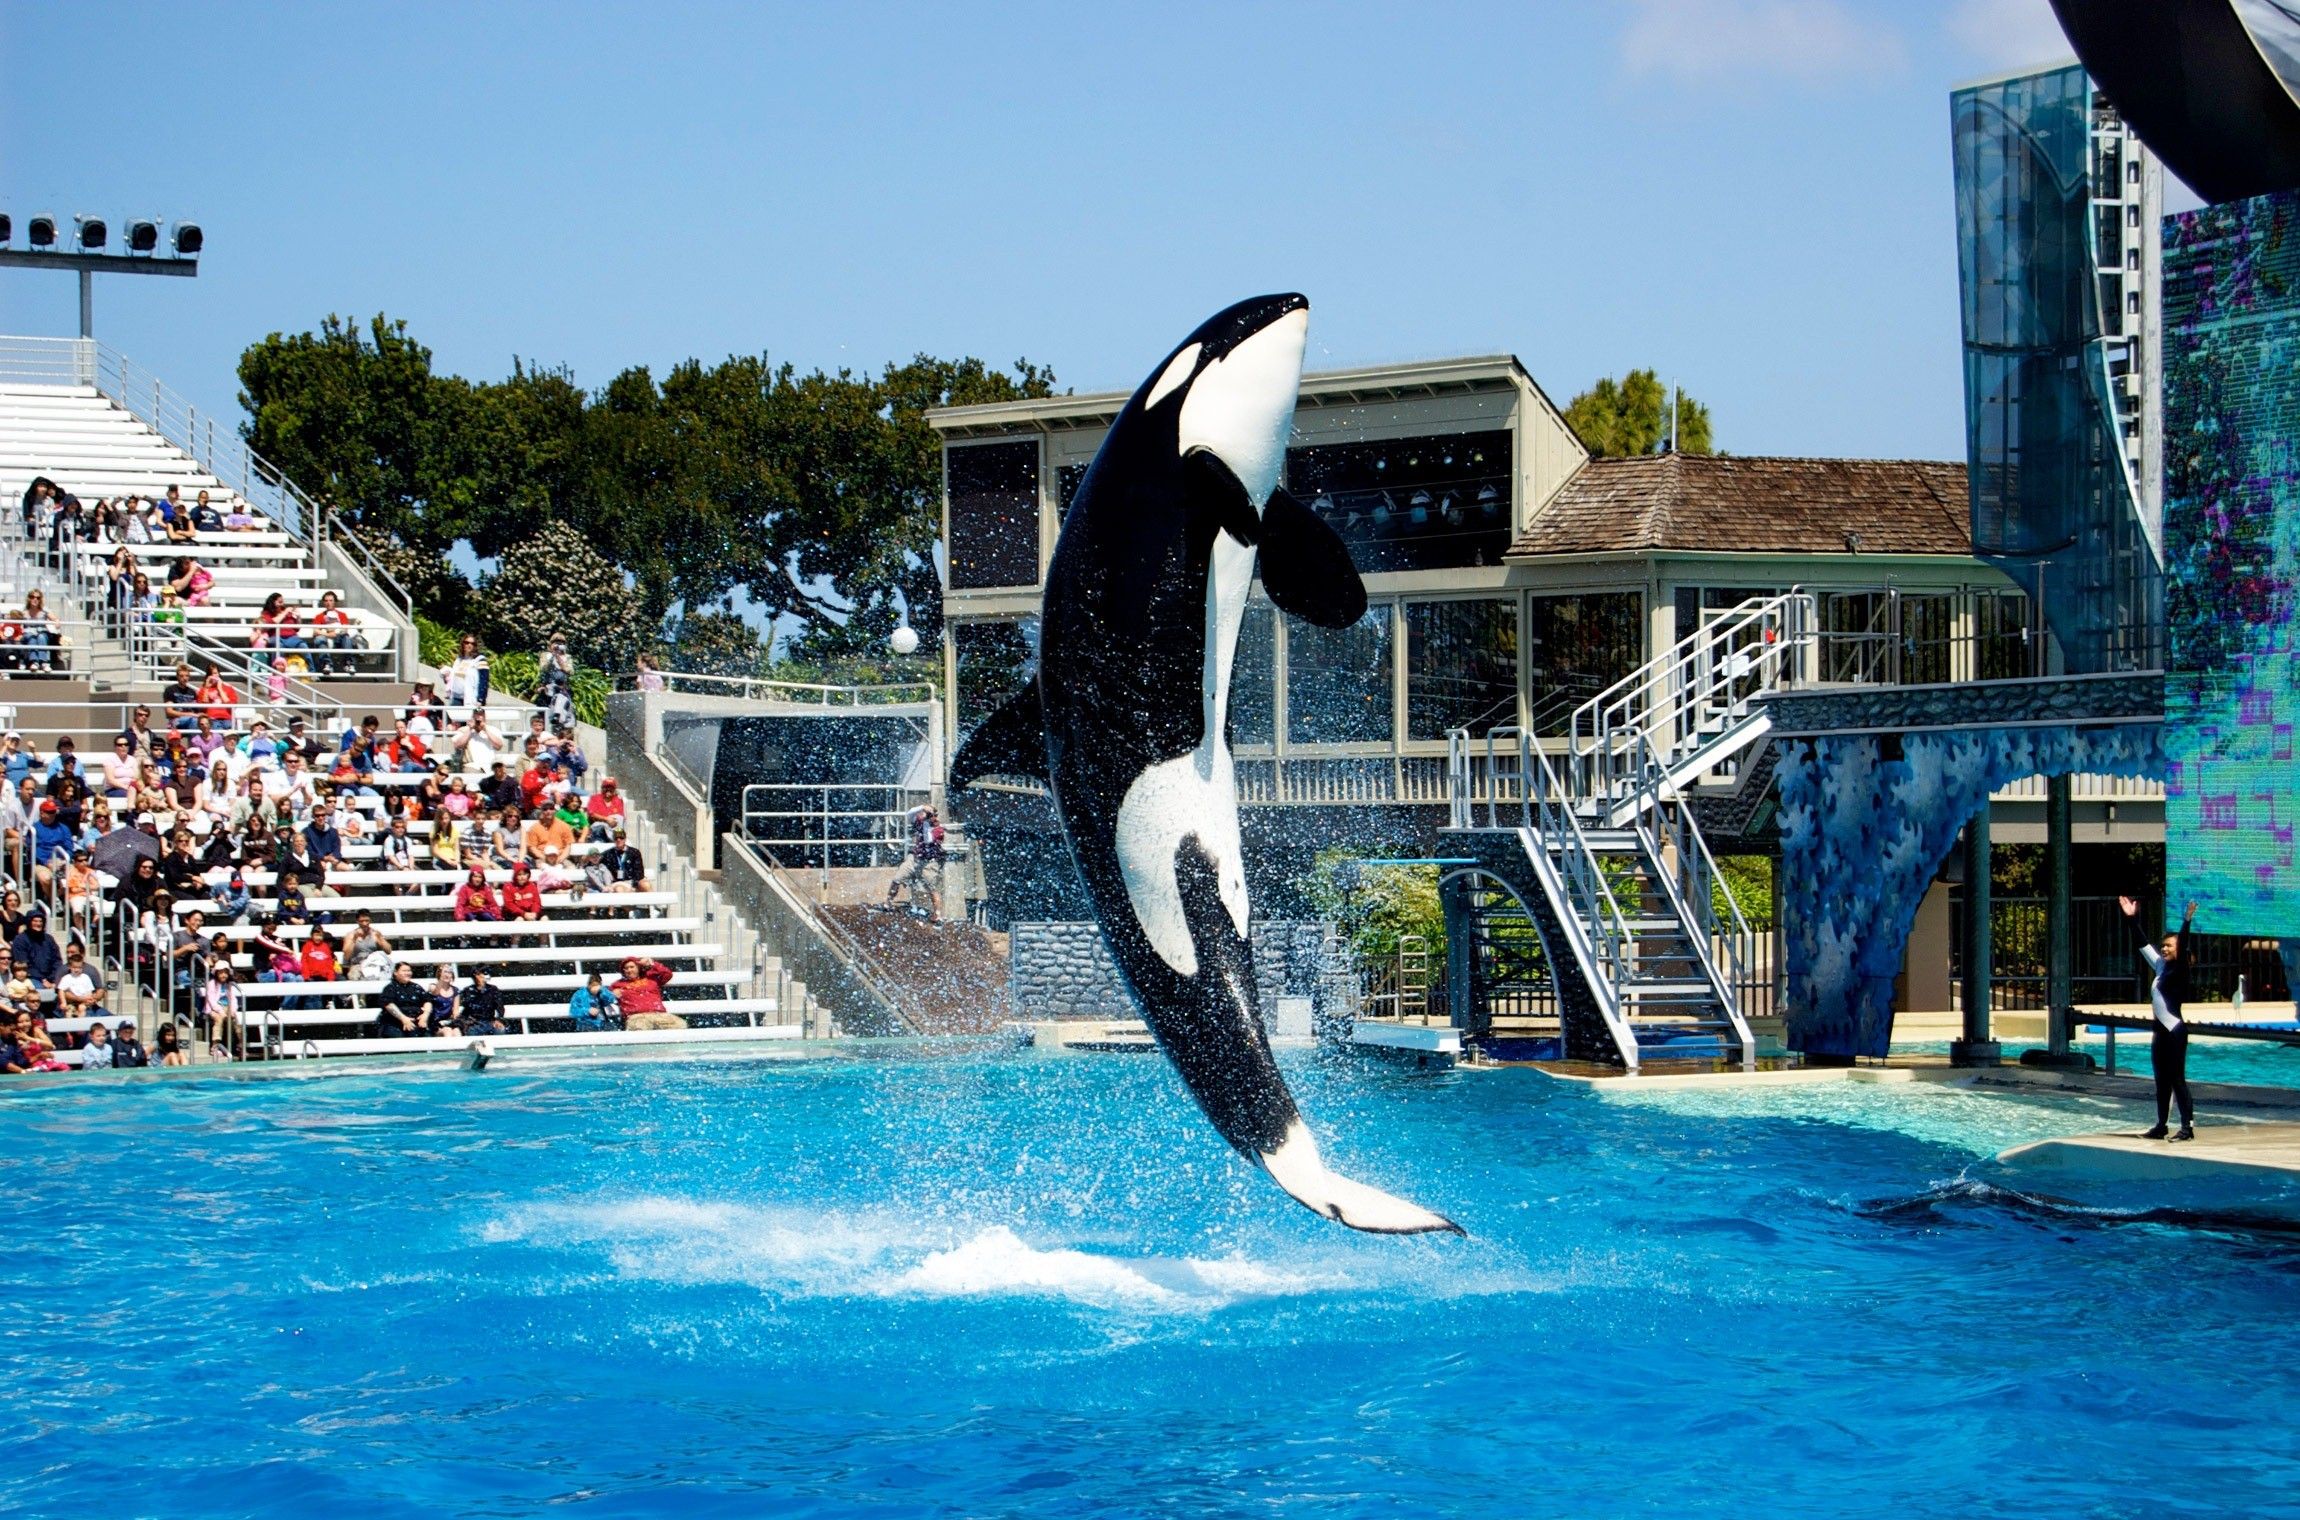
column 88, row 251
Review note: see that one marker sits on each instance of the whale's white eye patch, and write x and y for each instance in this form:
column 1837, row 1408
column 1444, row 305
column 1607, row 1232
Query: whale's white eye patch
column 1178, row 370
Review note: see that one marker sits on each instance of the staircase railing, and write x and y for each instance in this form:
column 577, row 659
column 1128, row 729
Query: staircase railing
column 221, row 452
column 1726, row 949
column 1689, row 696
column 1548, row 818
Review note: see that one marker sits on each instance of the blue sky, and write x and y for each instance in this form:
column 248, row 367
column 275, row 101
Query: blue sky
column 1751, row 195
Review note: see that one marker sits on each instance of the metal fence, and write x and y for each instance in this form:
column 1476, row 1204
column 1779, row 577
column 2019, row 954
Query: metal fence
column 2104, row 963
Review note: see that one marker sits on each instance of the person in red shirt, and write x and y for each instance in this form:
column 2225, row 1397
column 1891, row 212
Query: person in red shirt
column 316, row 962
column 330, row 636
column 475, row 900
column 641, row 988
column 217, row 698
column 604, row 808
column 522, row 899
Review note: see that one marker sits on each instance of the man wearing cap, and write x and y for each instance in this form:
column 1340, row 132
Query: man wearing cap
column 500, row 788
column 548, row 837
column 626, row 871
column 52, row 840
column 16, row 756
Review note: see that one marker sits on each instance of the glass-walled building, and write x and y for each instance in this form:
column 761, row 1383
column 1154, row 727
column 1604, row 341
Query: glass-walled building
column 1510, row 576
column 2057, row 211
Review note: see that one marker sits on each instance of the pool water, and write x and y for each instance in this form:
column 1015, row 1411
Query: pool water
column 1036, row 1285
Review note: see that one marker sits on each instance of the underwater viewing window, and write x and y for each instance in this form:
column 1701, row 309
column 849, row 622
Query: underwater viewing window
column 993, row 514
column 1253, row 679
column 1575, row 647
column 1440, row 502
column 1461, row 666
column 1338, row 681
column 995, row 659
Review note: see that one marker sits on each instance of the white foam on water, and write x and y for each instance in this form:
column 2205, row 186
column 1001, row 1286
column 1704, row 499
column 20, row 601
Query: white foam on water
column 885, row 1255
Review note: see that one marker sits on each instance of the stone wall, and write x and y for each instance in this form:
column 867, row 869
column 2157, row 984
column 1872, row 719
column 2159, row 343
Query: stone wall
column 1062, row 970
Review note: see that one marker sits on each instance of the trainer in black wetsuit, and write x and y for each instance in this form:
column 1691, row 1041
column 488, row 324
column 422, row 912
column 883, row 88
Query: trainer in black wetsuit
column 2168, row 1042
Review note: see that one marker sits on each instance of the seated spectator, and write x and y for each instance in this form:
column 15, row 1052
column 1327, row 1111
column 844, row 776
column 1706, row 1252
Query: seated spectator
column 168, row 1048
column 522, row 900
column 399, row 853
column 405, row 752
column 323, row 839
column 317, row 962
column 329, row 636
column 205, row 517
column 140, row 733
column 402, row 1007
column 83, row 893
column 593, row 1006
column 205, row 741
column 482, row 1006
column 128, row 1052
column 240, row 520
column 40, row 632
column 39, row 1049
column 121, row 768
column 458, row 801
column 604, row 809
column 18, row 759
column 640, row 989
column 70, row 794
column 37, row 955
column 294, row 901
column 626, row 871
column 18, row 996
column 446, row 844
column 475, row 900
column 231, row 895
column 365, row 943
column 80, row 990
column 425, row 712
column 188, row 580
column 446, row 1002
column 503, row 840
column 65, row 762
column 475, row 744
column 96, row 1055
column 52, row 842
column 218, row 698
column 501, row 789
column 548, row 835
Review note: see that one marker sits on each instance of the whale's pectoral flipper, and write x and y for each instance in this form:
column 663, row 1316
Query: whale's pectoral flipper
column 1306, row 567
column 1010, row 742
column 1215, row 490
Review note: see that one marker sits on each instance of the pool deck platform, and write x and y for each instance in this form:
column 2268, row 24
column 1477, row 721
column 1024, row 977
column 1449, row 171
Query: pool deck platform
column 2237, row 1169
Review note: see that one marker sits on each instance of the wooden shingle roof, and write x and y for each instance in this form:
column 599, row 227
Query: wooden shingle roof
column 1755, row 505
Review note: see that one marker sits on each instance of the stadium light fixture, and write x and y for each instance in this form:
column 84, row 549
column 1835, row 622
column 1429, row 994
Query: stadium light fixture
column 145, row 246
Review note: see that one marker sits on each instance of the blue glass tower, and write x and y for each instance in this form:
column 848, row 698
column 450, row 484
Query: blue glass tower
column 2056, row 249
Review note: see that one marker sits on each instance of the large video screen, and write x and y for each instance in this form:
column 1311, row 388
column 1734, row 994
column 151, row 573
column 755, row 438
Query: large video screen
column 2232, row 552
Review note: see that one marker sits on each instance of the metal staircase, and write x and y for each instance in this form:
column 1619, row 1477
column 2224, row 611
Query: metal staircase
column 1617, row 876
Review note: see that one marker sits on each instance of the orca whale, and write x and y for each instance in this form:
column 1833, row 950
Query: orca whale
column 1126, row 719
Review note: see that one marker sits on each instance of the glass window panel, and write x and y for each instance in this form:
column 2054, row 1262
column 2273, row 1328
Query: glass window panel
column 2003, row 643
column 1067, row 479
column 1253, row 694
column 993, row 514
column 1461, row 666
column 995, row 660
column 1338, row 687
column 1436, row 503
column 1575, row 647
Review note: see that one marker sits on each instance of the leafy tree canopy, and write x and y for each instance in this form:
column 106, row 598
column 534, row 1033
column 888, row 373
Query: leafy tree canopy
column 1631, row 416
column 818, row 494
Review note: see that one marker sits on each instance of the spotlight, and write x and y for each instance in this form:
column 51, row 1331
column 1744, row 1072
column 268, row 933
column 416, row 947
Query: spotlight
column 188, row 240
column 7, row 227
column 40, row 232
column 143, row 237
column 94, row 232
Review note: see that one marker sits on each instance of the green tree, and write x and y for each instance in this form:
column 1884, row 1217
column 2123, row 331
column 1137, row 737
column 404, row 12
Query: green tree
column 1616, row 419
column 716, row 643
column 1373, row 905
column 554, row 581
column 346, row 415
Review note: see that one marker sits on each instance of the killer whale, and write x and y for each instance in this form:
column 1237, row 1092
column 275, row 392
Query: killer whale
column 1126, row 718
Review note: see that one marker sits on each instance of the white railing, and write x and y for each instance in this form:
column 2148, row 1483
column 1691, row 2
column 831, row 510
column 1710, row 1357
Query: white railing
column 830, row 824
column 219, row 451
column 801, row 693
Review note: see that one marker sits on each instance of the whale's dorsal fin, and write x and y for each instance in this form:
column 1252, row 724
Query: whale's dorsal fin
column 1305, row 566
column 1010, row 742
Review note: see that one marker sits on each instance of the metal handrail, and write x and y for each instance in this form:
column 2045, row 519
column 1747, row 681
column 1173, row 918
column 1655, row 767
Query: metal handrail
column 229, row 460
column 766, row 689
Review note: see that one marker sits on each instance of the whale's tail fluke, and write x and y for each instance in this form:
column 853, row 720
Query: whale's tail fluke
column 1297, row 1167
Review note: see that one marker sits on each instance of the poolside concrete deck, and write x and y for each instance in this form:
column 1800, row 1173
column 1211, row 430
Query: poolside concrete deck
column 2242, row 1168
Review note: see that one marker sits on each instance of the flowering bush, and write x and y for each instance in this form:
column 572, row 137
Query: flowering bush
column 555, row 581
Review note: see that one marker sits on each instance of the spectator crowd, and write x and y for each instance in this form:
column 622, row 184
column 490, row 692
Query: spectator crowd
column 215, row 814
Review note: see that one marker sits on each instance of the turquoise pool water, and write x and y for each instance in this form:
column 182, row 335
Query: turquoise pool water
column 1037, row 1286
